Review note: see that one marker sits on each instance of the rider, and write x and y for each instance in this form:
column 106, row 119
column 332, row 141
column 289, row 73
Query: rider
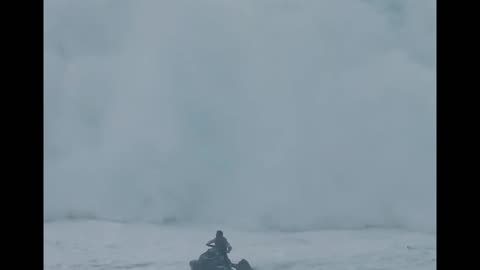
column 222, row 246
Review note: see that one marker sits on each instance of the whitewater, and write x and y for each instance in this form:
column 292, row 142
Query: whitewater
column 108, row 245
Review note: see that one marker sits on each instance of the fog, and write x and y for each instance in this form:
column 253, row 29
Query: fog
column 258, row 114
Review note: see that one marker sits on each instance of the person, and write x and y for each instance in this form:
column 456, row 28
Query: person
column 222, row 246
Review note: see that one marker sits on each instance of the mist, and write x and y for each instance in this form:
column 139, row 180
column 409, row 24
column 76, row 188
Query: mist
column 258, row 114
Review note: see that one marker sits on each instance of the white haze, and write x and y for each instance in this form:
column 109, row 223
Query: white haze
column 260, row 114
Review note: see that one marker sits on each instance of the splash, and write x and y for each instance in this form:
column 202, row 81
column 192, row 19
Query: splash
column 289, row 115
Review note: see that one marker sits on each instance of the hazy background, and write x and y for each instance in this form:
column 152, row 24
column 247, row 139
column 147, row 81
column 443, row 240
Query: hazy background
column 260, row 114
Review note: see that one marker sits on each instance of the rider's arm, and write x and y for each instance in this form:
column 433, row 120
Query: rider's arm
column 209, row 243
column 229, row 247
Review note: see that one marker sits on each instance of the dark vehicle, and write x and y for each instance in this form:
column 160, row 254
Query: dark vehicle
column 213, row 260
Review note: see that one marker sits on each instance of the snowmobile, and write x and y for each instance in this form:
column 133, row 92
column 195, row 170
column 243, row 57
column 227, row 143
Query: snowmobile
column 212, row 260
